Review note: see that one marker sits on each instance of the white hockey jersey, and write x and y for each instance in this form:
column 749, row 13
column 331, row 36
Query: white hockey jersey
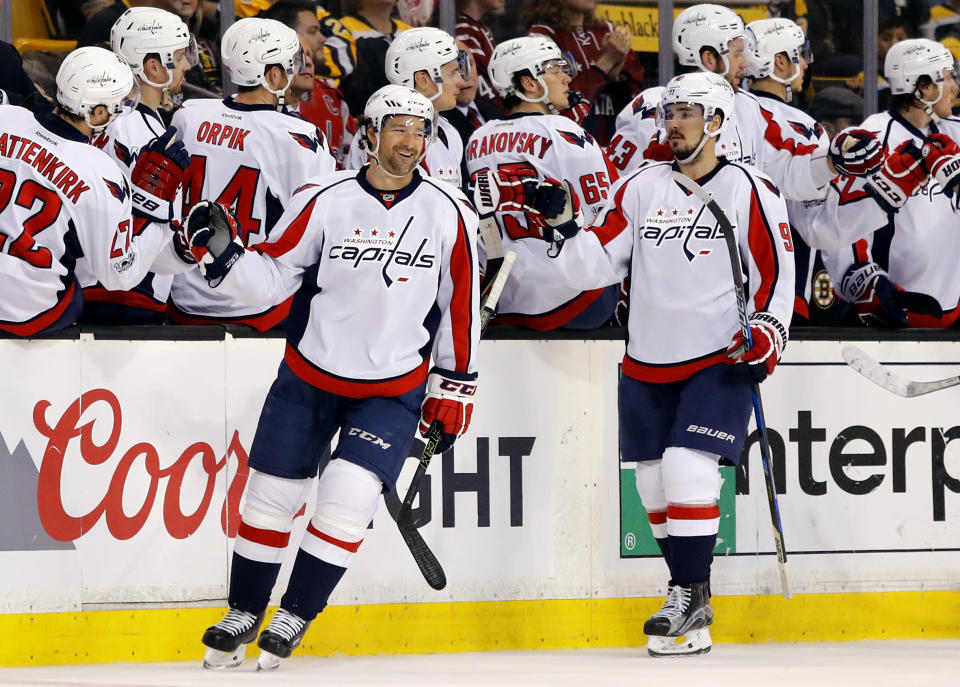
column 919, row 246
column 60, row 199
column 683, row 308
column 442, row 160
column 756, row 135
column 380, row 279
column 250, row 158
column 541, row 146
column 122, row 140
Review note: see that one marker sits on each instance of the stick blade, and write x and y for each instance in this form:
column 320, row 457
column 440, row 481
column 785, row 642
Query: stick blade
column 858, row 359
column 426, row 561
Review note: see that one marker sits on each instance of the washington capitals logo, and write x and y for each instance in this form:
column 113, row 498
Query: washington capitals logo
column 809, row 132
column 306, row 141
column 645, row 111
column 578, row 140
column 383, row 247
column 123, row 153
column 119, row 192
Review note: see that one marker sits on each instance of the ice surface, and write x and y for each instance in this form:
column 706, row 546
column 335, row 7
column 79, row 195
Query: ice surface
column 900, row 663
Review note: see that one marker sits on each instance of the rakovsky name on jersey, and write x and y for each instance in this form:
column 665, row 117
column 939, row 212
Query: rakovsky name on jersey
column 250, row 158
column 755, row 135
column 64, row 199
column 679, row 267
column 380, row 279
column 540, row 146
column 442, row 160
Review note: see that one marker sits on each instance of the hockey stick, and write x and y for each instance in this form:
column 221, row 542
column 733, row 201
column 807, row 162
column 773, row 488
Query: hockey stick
column 730, row 238
column 860, row 361
column 426, row 561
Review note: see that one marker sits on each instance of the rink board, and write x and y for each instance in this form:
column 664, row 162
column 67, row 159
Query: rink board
column 124, row 463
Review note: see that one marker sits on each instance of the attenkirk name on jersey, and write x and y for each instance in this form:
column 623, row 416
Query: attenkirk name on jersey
column 45, row 162
column 514, row 142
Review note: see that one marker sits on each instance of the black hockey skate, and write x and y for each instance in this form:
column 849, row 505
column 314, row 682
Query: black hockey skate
column 281, row 637
column 227, row 641
column 680, row 627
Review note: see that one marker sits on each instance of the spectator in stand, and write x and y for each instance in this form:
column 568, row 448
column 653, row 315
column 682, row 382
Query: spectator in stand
column 836, row 109
column 321, row 104
column 339, row 49
column 97, row 29
column 14, row 81
column 371, row 23
column 479, row 41
column 944, row 25
column 206, row 31
column 610, row 73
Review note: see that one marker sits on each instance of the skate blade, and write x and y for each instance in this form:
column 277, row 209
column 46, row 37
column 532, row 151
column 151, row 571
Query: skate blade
column 267, row 661
column 694, row 643
column 220, row 660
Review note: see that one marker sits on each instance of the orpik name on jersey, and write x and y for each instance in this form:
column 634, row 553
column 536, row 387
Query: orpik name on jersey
column 250, row 158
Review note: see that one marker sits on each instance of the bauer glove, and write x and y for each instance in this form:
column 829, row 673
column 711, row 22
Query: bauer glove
column 762, row 353
column 941, row 155
column 449, row 401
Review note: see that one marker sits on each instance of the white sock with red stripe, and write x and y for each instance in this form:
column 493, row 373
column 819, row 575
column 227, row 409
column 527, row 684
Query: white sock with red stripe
column 270, row 505
column 649, row 482
column 692, row 482
column 347, row 499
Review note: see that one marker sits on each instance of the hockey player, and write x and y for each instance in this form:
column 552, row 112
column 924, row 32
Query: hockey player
column 428, row 60
column 684, row 398
column 159, row 50
column 778, row 55
column 382, row 267
column 535, row 142
column 911, row 245
column 61, row 198
column 711, row 38
column 248, row 155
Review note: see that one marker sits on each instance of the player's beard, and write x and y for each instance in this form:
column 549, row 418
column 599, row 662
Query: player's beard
column 397, row 164
column 685, row 150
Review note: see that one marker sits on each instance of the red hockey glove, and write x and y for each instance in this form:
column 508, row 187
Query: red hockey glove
column 870, row 290
column 768, row 337
column 942, row 157
column 211, row 235
column 660, row 152
column 903, row 174
column 157, row 174
column 449, row 401
column 856, row 152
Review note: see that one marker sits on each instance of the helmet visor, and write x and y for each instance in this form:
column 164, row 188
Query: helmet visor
column 806, row 53
column 192, row 52
column 463, row 65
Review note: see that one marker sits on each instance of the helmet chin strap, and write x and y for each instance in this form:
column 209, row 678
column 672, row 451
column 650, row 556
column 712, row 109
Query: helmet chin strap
column 928, row 104
column 375, row 156
column 787, row 83
column 696, row 151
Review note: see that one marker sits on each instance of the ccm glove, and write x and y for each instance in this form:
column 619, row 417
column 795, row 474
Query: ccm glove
column 449, row 401
column 942, row 157
column 903, row 174
column 157, row 174
column 868, row 287
column 761, row 354
column 856, row 152
column 211, row 236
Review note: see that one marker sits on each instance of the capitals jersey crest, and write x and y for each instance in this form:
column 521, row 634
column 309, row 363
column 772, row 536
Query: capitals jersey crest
column 309, row 142
column 579, row 139
column 118, row 191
